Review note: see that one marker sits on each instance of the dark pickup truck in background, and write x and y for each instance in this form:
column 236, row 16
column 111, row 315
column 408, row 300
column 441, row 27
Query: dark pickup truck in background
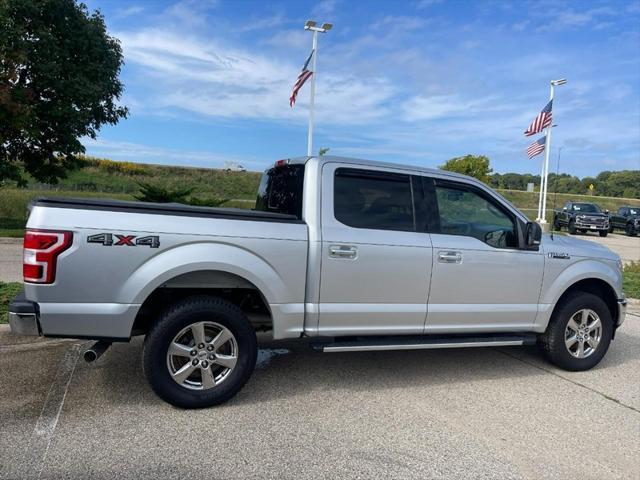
column 627, row 218
column 581, row 217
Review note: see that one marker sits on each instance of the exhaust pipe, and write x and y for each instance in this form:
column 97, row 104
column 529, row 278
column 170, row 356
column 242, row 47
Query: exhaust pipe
column 95, row 351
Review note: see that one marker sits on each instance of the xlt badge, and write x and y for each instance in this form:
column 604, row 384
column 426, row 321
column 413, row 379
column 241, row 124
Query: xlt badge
column 561, row 256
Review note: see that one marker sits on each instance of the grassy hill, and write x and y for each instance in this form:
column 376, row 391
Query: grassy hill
column 120, row 180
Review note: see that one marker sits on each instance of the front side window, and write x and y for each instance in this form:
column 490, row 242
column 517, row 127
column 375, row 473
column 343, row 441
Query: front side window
column 374, row 200
column 464, row 212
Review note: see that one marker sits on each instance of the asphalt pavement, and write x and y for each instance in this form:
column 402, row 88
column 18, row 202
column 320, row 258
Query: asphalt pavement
column 470, row 413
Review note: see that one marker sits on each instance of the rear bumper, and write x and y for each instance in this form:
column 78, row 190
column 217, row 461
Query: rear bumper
column 23, row 316
column 112, row 321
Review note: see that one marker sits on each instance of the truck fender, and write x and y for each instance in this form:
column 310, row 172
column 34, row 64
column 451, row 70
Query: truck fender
column 585, row 269
column 202, row 256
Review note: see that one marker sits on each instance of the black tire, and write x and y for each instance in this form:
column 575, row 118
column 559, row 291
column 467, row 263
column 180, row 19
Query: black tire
column 630, row 230
column 572, row 227
column 552, row 341
column 174, row 320
column 556, row 224
column 603, row 233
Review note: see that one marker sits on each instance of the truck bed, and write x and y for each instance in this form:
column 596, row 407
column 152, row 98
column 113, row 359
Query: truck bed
column 176, row 209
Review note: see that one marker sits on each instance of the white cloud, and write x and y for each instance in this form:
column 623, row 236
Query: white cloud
column 445, row 106
column 129, row 11
column 422, row 4
column 325, row 8
column 215, row 80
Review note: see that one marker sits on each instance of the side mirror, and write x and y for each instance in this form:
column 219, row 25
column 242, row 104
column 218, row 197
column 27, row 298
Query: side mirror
column 606, row 211
column 533, row 234
column 564, row 208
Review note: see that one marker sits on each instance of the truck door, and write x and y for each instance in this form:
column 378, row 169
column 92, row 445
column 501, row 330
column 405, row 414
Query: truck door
column 376, row 261
column 481, row 280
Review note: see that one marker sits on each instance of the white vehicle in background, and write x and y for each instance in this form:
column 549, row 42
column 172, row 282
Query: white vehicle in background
column 234, row 167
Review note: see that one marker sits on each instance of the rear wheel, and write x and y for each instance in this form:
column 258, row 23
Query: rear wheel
column 579, row 332
column 603, row 233
column 630, row 230
column 572, row 227
column 200, row 353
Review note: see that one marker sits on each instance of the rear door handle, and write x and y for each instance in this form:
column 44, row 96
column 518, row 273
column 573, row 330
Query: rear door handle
column 449, row 257
column 343, row 251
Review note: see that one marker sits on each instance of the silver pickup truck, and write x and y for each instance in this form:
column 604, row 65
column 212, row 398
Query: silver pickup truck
column 349, row 254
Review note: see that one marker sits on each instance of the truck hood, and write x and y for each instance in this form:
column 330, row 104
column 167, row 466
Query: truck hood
column 590, row 214
column 577, row 248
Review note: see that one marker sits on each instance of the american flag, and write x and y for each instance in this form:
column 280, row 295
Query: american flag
column 536, row 147
column 542, row 121
column 304, row 75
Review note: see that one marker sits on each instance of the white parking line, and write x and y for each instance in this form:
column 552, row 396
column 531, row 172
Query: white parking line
column 48, row 419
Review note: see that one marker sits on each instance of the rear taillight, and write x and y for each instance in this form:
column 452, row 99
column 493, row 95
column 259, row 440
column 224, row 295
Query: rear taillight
column 40, row 254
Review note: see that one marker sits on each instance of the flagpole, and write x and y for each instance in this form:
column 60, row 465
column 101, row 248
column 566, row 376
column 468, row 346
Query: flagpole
column 311, row 26
column 547, row 149
column 541, row 188
column 313, row 94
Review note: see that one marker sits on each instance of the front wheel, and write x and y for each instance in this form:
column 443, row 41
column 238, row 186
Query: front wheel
column 579, row 332
column 630, row 230
column 572, row 227
column 200, row 353
column 556, row 224
column 603, row 233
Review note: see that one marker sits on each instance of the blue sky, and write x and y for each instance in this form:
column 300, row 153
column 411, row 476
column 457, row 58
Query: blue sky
column 419, row 82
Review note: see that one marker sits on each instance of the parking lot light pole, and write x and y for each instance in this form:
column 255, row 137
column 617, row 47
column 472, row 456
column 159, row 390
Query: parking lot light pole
column 542, row 204
column 311, row 26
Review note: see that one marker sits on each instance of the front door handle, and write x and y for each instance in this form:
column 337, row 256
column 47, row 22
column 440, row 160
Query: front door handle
column 449, row 257
column 343, row 251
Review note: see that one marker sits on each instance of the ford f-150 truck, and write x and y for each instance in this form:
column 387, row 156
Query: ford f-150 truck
column 627, row 218
column 351, row 255
column 583, row 217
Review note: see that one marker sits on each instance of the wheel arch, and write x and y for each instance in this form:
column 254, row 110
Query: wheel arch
column 595, row 286
column 210, row 267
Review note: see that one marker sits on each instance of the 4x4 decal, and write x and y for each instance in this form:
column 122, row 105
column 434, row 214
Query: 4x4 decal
column 108, row 240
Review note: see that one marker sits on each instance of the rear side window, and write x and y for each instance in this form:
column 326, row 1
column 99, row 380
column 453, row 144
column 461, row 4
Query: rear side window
column 280, row 190
column 374, row 200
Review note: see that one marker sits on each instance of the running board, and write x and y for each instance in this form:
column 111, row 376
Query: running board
column 422, row 342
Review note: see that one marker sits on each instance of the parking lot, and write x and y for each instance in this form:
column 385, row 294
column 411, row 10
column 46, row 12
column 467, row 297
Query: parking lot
column 469, row 413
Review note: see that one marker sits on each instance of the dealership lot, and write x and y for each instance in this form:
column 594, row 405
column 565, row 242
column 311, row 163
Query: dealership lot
column 474, row 413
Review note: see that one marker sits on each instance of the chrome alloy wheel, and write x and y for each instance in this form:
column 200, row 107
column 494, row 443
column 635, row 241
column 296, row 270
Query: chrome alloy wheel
column 202, row 355
column 583, row 333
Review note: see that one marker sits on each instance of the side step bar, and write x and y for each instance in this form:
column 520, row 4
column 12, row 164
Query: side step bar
column 422, row 342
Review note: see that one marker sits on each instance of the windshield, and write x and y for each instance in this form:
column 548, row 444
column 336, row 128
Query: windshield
column 586, row 208
column 280, row 190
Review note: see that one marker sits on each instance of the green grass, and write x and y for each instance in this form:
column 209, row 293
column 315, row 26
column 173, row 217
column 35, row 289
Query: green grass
column 528, row 201
column 631, row 279
column 7, row 292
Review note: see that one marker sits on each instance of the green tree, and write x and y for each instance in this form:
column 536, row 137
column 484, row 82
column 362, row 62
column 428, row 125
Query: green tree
column 58, row 83
column 473, row 165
